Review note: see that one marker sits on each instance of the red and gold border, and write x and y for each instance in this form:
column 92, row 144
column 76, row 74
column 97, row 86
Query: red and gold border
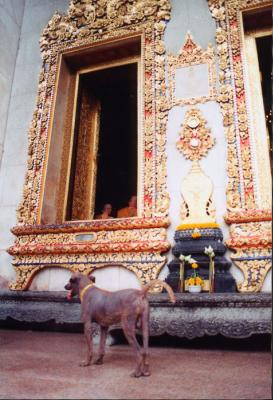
column 250, row 233
column 89, row 23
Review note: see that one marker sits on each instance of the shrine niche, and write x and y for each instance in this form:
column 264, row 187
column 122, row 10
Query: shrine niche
column 198, row 229
column 194, row 142
column 49, row 224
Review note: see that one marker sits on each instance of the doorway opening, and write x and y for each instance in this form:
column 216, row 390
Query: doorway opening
column 104, row 154
column 264, row 51
column 94, row 130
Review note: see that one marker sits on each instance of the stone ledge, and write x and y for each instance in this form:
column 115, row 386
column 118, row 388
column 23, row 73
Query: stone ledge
column 234, row 315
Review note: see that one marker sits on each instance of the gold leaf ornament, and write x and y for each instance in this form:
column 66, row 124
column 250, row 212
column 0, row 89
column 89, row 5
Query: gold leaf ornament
column 195, row 139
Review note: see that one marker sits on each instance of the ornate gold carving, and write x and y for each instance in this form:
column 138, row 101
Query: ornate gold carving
column 252, row 243
column 242, row 199
column 86, row 161
column 195, row 139
column 251, row 234
column 88, row 23
column 254, row 262
column 119, row 236
column 232, row 99
column 51, row 246
column 146, row 266
column 24, row 276
column 251, row 240
column 254, row 272
column 191, row 54
column 121, row 241
column 66, row 151
column 239, row 216
column 92, row 226
column 76, row 30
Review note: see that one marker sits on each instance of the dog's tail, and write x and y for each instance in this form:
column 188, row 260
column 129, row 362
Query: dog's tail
column 157, row 282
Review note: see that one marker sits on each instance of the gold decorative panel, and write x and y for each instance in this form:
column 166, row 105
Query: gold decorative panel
column 251, row 245
column 194, row 138
column 85, row 172
column 87, row 25
column 194, row 142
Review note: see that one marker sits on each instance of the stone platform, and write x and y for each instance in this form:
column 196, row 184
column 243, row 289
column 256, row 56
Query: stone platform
column 233, row 315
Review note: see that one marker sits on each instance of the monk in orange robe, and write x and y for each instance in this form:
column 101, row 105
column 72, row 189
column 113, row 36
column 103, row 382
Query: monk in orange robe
column 130, row 211
column 106, row 212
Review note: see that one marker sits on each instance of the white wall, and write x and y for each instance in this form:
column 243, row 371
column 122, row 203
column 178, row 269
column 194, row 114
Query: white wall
column 11, row 16
column 21, row 23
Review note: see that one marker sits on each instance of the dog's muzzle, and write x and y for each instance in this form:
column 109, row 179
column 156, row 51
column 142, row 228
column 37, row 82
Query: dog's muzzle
column 69, row 294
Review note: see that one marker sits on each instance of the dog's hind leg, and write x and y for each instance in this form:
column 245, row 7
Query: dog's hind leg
column 103, row 336
column 145, row 334
column 89, row 342
column 128, row 325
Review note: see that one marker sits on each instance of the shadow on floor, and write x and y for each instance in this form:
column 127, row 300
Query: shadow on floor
column 217, row 342
column 262, row 343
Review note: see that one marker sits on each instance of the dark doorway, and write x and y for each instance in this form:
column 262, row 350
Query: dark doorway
column 116, row 177
column 264, row 50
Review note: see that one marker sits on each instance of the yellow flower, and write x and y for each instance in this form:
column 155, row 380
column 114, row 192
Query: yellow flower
column 194, row 265
column 198, row 281
column 196, row 235
column 198, row 226
column 191, row 281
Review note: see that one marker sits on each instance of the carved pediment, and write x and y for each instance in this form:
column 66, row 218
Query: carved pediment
column 95, row 17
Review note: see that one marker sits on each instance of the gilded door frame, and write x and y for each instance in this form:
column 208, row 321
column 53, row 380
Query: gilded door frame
column 136, row 243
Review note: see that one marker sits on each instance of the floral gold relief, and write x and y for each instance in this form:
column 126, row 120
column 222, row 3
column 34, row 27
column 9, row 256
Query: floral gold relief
column 195, row 139
column 85, row 172
column 91, row 23
column 145, row 266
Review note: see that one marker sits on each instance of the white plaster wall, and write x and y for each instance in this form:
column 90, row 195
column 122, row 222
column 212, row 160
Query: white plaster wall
column 11, row 15
column 21, row 23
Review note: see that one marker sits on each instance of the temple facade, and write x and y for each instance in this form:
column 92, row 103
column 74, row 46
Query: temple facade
column 166, row 100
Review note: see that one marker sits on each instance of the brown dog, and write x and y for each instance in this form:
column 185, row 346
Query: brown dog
column 129, row 307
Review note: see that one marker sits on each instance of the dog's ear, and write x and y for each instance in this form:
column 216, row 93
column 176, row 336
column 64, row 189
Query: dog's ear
column 92, row 278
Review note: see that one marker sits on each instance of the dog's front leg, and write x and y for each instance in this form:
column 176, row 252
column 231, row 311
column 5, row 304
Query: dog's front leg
column 103, row 336
column 89, row 342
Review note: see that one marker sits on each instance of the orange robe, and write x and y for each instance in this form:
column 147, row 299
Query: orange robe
column 127, row 212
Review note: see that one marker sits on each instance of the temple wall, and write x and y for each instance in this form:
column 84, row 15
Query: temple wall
column 11, row 17
column 10, row 28
column 22, row 45
column 17, row 108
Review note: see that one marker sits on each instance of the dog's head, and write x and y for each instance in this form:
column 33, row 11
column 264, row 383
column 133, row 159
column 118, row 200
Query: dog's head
column 77, row 282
